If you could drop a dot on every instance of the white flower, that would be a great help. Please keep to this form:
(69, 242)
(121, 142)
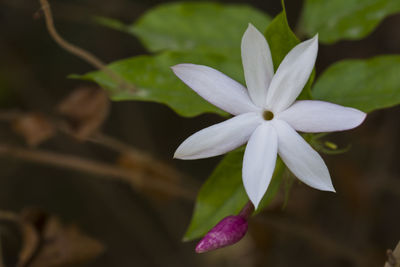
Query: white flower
(266, 115)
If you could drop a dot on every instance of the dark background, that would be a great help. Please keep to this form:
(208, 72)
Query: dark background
(353, 227)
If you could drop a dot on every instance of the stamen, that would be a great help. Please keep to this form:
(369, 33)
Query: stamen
(268, 115)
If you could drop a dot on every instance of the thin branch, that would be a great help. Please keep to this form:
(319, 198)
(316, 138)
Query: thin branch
(156, 166)
(86, 165)
(9, 115)
(79, 52)
(149, 164)
(112, 143)
(9, 216)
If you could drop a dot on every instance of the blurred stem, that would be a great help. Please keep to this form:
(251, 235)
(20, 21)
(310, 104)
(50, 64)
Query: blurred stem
(288, 186)
(148, 163)
(156, 166)
(247, 210)
(79, 52)
(9, 115)
(299, 29)
(86, 165)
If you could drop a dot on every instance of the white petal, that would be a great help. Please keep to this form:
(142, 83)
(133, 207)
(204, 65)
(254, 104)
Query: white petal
(292, 75)
(219, 138)
(216, 88)
(318, 116)
(259, 161)
(257, 64)
(302, 160)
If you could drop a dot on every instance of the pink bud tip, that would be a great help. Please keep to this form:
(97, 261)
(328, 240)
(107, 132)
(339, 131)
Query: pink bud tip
(227, 232)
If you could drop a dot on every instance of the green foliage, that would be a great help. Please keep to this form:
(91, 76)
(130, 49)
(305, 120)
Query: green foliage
(345, 19)
(152, 74)
(194, 27)
(281, 40)
(363, 84)
(199, 33)
(223, 194)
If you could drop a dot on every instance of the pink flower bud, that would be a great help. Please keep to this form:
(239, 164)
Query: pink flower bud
(227, 232)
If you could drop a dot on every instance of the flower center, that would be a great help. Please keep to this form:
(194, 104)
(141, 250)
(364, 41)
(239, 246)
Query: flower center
(268, 115)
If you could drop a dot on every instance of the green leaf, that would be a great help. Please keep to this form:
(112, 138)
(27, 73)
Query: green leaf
(281, 40)
(194, 26)
(345, 19)
(363, 84)
(199, 33)
(111, 23)
(152, 74)
(223, 194)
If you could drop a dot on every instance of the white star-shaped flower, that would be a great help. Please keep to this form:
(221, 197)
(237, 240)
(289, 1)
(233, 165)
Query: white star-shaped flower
(266, 115)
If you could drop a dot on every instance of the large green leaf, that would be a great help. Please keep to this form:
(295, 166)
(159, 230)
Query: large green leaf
(345, 19)
(223, 194)
(200, 33)
(281, 40)
(153, 75)
(194, 26)
(364, 84)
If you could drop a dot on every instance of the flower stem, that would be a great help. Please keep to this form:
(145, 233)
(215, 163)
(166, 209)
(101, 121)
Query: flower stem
(247, 210)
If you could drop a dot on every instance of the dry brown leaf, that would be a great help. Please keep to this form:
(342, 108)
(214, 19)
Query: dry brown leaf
(86, 109)
(393, 257)
(46, 242)
(30, 243)
(29, 235)
(64, 245)
(34, 127)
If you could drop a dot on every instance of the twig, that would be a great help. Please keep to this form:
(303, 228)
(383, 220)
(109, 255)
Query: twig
(86, 165)
(138, 157)
(9, 115)
(156, 166)
(112, 143)
(79, 52)
(9, 216)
